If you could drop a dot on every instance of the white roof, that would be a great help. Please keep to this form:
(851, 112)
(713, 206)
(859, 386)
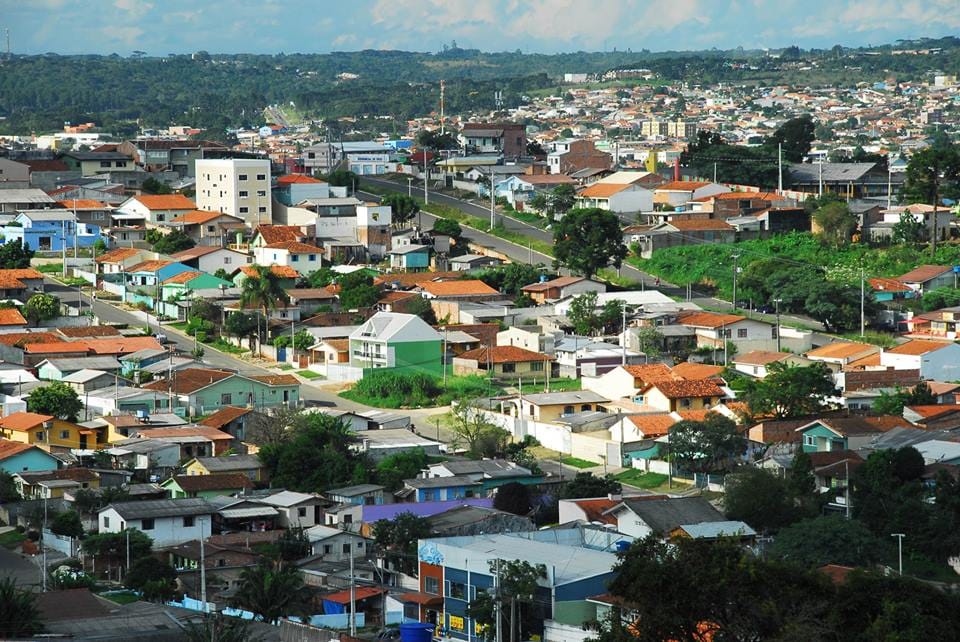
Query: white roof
(286, 498)
(936, 450)
(395, 326)
(82, 376)
(631, 298)
(623, 178)
(28, 195)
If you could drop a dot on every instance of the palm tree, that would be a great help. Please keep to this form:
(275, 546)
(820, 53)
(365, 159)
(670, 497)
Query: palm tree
(262, 291)
(221, 628)
(19, 616)
(272, 590)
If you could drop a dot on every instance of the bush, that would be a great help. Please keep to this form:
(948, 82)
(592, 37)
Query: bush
(387, 389)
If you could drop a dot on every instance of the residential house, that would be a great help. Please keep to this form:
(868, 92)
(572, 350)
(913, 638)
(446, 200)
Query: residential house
(467, 262)
(531, 338)
(206, 390)
(15, 200)
(550, 406)
(582, 356)
(20, 283)
(403, 342)
(410, 257)
(658, 515)
(155, 458)
(506, 139)
(207, 228)
(886, 290)
(168, 522)
(477, 520)
(504, 362)
(59, 369)
(849, 180)
(51, 230)
(206, 486)
(756, 363)
(714, 329)
(11, 319)
(303, 257)
(157, 209)
(49, 433)
(293, 189)
(626, 382)
(53, 484)
(670, 396)
(560, 288)
(925, 278)
(14, 175)
(491, 473)
(178, 291)
(265, 234)
(209, 259)
(287, 276)
(619, 198)
(118, 260)
(438, 489)
(177, 155)
(296, 510)
(839, 354)
(335, 545)
(936, 360)
(676, 194)
(92, 163)
(572, 156)
(683, 232)
(463, 290)
(248, 465)
(17, 457)
(194, 441)
(845, 433)
(236, 421)
(359, 495)
(88, 211)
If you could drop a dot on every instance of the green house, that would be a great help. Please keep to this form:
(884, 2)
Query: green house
(206, 486)
(204, 391)
(842, 433)
(185, 284)
(403, 342)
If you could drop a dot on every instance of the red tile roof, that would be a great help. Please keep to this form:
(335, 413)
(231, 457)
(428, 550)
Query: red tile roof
(650, 373)
(652, 425)
(83, 204)
(224, 416)
(121, 345)
(11, 316)
(881, 284)
(918, 347)
(166, 202)
(149, 266)
(282, 271)
(290, 179)
(688, 389)
(594, 509)
(190, 431)
(56, 347)
(277, 380)
(681, 186)
(924, 273)
(279, 233)
(20, 339)
(467, 287)
(189, 380)
(708, 319)
(295, 247)
(696, 371)
(410, 279)
(118, 255)
(23, 421)
(197, 216)
(10, 449)
(503, 354)
(701, 225)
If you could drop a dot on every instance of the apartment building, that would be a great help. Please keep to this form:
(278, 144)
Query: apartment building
(239, 187)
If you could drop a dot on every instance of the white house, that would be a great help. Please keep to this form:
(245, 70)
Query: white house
(168, 522)
(302, 257)
(679, 193)
(713, 329)
(936, 360)
(334, 544)
(640, 517)
(620, 198)
(157, 208)
(209, 259)
(297, 510)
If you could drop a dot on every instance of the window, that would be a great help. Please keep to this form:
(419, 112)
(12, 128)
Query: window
(727, 333)
(295, 258)
(64, 434)
(773, 332)
(327, 549)
(244, 194)
(346, 548)
(226, 398)
(221, 562)
(241, 177)
(188, 521)
(568, 410)
(536, 366)
(161, 217)
(261, 177)
(227, 260)
(41, 436)
(809, 440)
(105, 164)
(312, 257)
(262, 209)
(261, 192)
(359, 546)
(311, 155)
(210, 228)
(508, 367)
(585, 408)
(741, 333)
(348, 519)
(120, 164)
(302, 511)
(244, 210)
(431, 585)
(146, 524)
(457, 590)
(684, 403)
(106, 522)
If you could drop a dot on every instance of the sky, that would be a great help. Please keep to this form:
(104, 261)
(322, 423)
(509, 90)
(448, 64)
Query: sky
(159, 27)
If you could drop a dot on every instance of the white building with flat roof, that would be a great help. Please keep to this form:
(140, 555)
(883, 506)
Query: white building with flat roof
(236, 186)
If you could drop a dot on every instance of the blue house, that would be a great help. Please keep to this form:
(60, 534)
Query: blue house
(578, 564)
(439, 489)
(410, 257)
(16, 457)
(142, 279)
(50, 230)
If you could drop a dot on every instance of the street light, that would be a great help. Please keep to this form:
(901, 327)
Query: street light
(777, 302)
(899, 537)
(410, 186)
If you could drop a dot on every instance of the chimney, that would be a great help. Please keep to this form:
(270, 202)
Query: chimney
(676, 169)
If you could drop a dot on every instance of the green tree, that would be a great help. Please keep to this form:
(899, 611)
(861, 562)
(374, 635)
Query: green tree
(221, 628)
(583, 313)
(397, 538)
(449, 227)
(100, 246)
(357, 291)
(342, 178)
(650, 341)
(830, 539)
(293, 545)
(933, 173)
(586, 485)
(173, 242)
(433, 140)
(319, 278)
(790, 391)
(14, 256)
(836, 222)
(271, 590)
(562, 199)
(709, 446)
(421, 307)
(8, 488)
(403, 208)
(837, 306)
(41, 307)
(67, 524)
(586, 240)
(19, 615)
(471, 428)
(263, 291)
(222, 274)
(539, 202)
(892, 403)
(517, 583)
(316, 456)
(513, 498)
(908, 230)
(392, 470)
(153, 577)
(795, 136)
(152, 186)
(240, 325)
(759, 498)
(111, 548)
(57, 399)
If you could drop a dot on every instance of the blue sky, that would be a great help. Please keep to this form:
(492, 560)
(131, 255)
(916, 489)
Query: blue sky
(159, 27)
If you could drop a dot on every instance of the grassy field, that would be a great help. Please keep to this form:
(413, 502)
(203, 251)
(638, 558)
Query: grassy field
(406, 390)
(121, 597)
(50, 268)
(309, 374)
(556, 385)
(639, 479)
(12, 539)
(576, 462)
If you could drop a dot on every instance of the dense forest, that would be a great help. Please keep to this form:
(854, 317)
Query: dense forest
(39, 93)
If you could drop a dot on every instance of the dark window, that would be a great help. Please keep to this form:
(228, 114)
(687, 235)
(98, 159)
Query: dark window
(346, 548)
(302, 511)
(261, 177)
(431, 585)
(242, 177)
(146, 524)
(327, 549)
(104, 163)
(741, 333)
(508, 367)
(188, 521)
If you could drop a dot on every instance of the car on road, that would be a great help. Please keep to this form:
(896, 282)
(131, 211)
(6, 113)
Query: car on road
(161, 338)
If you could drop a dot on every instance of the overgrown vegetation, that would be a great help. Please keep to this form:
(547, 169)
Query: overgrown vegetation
(416, 390)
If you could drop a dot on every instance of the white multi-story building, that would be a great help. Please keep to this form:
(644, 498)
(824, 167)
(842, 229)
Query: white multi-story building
(236, 186)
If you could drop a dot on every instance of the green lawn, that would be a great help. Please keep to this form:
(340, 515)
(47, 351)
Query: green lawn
(121, 597)
(640, 479)
(407, 390)
(576, 462)
(12, 539)
(50, 268)
(556, 385)
(179, 325)
(284, 366)
(309, 374)
(223, 346)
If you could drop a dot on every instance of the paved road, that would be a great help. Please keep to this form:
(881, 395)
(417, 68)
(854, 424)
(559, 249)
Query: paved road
(23, 571)
(523, 254)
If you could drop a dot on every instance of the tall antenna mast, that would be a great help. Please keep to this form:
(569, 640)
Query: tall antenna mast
(441, 109)
(7, 33)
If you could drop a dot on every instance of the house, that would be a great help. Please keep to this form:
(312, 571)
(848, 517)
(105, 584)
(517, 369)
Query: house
(462, 290)
(296, 188)
(265, 234)
(849, 180)
(302, 257)
(207, 228)
(17, 457)
(209, 258)
(550, 406)
(920, 213)
(438, 489)
(845, 433)
(467, 262)
(309, 299)
(89, 211)
(676, 194)
(582, 356)
(14, 175)
(179, 156)
(296, 510)
(561, 288)
(287, 276)
(206, 390)
(684, 232)
(925, 278)
(52, 484)
(20, 283)
(489, 472)
(714, 329)
(386, 442)
(59, 369)
(503, 361)
(335, 545)
(86, 380)
(11, 319)
(619, 198)
(117, 261)
(477, 520)
(411, 257)
(670, 396)
(626, 382)
(571, 156)
(51, 230)
(756, 362)
(14, 200)
(838, 354)
(506, 139)
(194, 441)
(359, 495)
(233, 420)
(403, 342)
(660, 516)
(146, 456)
(936, 360)
(588, 511)
(206, 486)
(886, 290)
(157, 209)
(248, 465)
(168, 522)
(49, 433)
(715, 530)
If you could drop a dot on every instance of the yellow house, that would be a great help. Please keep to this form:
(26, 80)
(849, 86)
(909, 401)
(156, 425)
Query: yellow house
(549, 406)
(248, 465)
(671, 396)
(51, 484)
(48, 432)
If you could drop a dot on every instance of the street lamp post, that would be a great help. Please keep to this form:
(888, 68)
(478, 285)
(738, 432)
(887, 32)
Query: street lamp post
(410, 186)
(899, 537)
(777, 303)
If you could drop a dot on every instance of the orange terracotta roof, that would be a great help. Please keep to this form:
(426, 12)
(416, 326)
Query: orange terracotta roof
(118, 255)
(698, 225)
(934, 410)
(397, 295)
(149, 266)
(594, 509)
(689, 371)
(863, 363)
(681, 186)
(290, 179)
(918, 347)
(189, 380)
(652, 425)
(166, 202)
(11, 316)
(23, 421)
(708, 319)
(687, 389)
(279, 233)
(760, 357)
(295, 247)
(411, 279)
(224, 416)
(10, 449)
(89, 331)
(841, 350)
(468, 287)
(190, 431)
(21, 339)
(881, 284)
(83, 204)
(340, 345)
(183, 277)
(503, 354)
(559, 282)
(282, 271)
(121, 345)
(694, 415)
(277, 380)
(650, 373)
(603, 190)
(762, 196)
(56, 347)
(923, 273)
(22, 273)
(197, 216)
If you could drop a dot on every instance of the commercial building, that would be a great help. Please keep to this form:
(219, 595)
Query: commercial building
(239, 187)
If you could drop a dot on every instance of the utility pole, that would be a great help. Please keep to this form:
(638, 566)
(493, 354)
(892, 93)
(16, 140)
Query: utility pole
(493, 202)
(863, 318)
(127, 533)
(820, 179)
(623, 360)
(777, 303)
(426, 179)
(63, 245)
(889, 183)
(442, 128)
(496, 601)
(203, 570)
(353, 597)
(779, 168)
(846, 488)
(899, 537)
(43, 545)
(736, 257)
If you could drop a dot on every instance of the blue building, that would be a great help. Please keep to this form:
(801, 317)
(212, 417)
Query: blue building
(578, 564)
(50, 230)
(16, 457)
(440, 489)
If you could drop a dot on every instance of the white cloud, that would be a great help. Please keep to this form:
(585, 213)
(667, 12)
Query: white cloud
(134, 8)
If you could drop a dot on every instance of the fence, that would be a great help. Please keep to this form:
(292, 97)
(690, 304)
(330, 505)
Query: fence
(69, 546)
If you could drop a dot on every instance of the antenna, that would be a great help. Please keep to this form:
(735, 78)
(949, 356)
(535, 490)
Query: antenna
(498, 99)
(7, 34)
(441, 109)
